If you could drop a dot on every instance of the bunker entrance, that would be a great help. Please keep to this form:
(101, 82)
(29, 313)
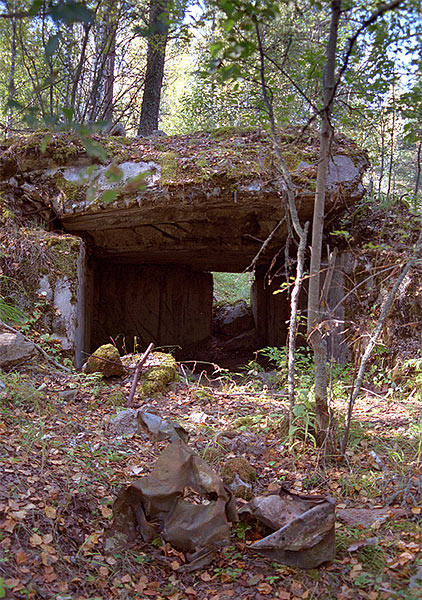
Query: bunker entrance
(216, 317)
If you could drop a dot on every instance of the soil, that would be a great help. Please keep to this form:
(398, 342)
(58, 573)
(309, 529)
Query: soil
(62, 468)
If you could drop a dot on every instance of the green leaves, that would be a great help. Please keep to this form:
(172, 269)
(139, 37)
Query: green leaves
(71, 12)
(52, 45)
(109, 196)
(33, 10)
(94, 149)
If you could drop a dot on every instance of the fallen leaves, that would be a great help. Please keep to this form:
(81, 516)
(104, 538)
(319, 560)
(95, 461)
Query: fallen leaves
(50, 512)
(21, 557)
(53, 514)
(35, 540)
(264, 588)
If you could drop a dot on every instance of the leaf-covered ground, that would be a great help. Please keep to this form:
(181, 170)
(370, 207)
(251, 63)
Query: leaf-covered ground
(61, 468)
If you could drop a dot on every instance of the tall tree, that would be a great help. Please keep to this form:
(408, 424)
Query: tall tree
(156, 54)
(315, 335)
(11, 8)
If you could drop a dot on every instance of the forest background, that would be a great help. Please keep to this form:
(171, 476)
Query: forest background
(179, 67)
(184, 66)
(72, 64)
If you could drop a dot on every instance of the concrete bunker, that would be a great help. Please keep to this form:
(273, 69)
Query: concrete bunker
(159, 215)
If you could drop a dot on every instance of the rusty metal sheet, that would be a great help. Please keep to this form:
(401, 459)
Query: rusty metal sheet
(304, 534)
(184, 497)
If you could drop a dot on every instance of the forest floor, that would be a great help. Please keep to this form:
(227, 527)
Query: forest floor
(61, 468)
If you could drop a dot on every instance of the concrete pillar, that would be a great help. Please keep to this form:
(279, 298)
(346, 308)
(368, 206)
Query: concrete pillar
(139, 304)
(270, 311)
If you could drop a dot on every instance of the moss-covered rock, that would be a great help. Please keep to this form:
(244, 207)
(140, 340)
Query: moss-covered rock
(239, 474)
(156, 377)
(214, 454)
(238, 466)
(105, 360)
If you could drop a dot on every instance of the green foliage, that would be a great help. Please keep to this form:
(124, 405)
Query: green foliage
(304, 366)
(231, 287)
(10, 313)
(19, 392)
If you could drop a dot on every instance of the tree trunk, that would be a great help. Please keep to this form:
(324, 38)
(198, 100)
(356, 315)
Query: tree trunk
(382, 165)
(109, 80)
(302, 232)
(12, 86)
(156, 53)
(103, 77)
(418, 175)
(392, 141)
(316, 337)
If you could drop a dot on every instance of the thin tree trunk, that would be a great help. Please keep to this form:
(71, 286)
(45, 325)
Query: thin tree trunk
(77, 77)
(102, 90)
(294, 303)
(392, 140)
(109, 81)
(316, 338)
(156, 53)
(418, 175)
(382, 165)
(302, 232)
(13, 52)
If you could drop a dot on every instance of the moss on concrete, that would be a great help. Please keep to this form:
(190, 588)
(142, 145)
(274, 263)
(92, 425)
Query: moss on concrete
(169, 169)
(156, 378)
(65, 254)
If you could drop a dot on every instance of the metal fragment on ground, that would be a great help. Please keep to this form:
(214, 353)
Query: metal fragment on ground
(187, 499)
(303, 528)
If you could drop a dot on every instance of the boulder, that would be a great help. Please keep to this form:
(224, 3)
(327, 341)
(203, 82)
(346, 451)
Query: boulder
(125, 423)
(14, 349)
(231, 320)
(160, 371)
(105, 360)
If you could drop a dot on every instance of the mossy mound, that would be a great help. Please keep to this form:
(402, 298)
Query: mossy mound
(105, 360)
(214, 454)
(238, 466)
(156, 377)
(239, 474)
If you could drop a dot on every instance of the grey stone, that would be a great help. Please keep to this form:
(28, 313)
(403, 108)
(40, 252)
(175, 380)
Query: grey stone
(14, 349)
(246, 340)
(416, 580)
(126, 422)
(97, 177)
(341, 169)
(233, 319)
(68, 395)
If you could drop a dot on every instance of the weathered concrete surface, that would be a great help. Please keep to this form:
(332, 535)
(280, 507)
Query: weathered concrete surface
(136, 305)
(207, 200)
(42, 279)
(155, 214)
(271, 311)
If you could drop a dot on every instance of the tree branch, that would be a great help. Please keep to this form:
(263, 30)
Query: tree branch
(374, 338)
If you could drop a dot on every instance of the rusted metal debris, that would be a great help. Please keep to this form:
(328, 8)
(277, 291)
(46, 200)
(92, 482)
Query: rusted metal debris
(303, 528)
(185, 501)
(188, 499)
